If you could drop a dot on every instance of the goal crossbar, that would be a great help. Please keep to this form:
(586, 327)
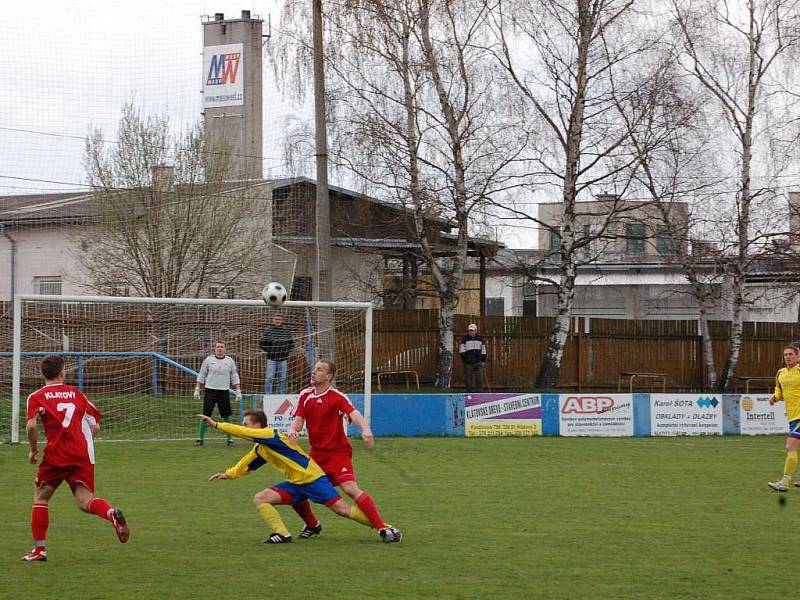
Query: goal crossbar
(17, 352)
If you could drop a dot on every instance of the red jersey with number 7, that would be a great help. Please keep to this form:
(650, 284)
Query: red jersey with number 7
(67, 417)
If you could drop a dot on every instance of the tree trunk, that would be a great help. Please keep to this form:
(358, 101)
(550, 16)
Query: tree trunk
(737, 327)
(708, 347)
(550, 369)
(444, 359)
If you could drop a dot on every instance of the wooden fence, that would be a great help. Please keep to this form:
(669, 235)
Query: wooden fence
(597, 350)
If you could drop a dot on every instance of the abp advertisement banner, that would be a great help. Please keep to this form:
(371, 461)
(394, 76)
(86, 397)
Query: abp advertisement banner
(685, 414)
(757, 417)
(223, 75)
(609, 415)
(502, 415)
(279, 409)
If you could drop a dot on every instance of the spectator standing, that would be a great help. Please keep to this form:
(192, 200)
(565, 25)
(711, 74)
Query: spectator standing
(473, 355)
(277, 342)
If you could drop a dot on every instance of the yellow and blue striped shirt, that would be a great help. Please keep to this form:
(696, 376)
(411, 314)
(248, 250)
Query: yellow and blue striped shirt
(274, 448)
(787, 388)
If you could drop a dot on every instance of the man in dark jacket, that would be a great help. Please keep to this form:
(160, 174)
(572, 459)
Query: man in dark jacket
(277, 343)
(473, 355)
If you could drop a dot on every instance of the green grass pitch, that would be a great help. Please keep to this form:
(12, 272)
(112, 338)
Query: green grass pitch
(482, 518)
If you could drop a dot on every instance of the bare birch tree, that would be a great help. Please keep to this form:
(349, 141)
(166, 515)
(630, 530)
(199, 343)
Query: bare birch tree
(416, 118)
(171, 231)
(740, 55)
(577, 50)
(673, 145)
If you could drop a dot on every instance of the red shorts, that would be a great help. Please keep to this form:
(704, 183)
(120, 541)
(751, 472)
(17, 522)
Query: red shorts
(51, 475)
(338, 466)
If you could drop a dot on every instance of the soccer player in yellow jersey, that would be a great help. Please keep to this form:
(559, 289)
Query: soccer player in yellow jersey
(787, 389)
(304, 478)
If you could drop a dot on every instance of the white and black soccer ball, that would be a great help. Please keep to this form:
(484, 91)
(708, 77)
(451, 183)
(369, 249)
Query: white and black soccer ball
(274, 294)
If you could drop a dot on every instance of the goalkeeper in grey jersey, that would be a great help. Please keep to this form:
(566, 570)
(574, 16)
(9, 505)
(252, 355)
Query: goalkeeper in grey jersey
(218, 374)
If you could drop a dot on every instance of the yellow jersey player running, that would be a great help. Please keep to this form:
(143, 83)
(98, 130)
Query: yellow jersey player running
(787, 389)
(304, 478)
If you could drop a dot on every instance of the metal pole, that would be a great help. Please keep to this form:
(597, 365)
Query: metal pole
(368, 366)
(16, 370)
(13, 274)
(322, 281)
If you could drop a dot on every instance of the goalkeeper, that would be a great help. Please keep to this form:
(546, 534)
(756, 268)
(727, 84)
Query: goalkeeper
(305, 479)
(218, 374)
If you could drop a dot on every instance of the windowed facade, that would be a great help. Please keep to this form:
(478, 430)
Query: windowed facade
(665, 243)
(529, 295)
(47, 286)
(120, 289)
(555, 239)
(222, 291)
(495, 307)
(634, 234)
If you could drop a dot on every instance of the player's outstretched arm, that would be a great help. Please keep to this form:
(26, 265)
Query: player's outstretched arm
(366, 432)
(209, 421)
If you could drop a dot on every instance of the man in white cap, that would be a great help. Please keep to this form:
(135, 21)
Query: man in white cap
(473, 355)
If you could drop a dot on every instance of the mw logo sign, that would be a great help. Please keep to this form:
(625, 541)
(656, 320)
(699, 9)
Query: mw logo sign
(587, 404)
(224, 68)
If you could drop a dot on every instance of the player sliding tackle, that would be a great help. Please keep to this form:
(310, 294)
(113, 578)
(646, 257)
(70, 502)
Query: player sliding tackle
(305, 480)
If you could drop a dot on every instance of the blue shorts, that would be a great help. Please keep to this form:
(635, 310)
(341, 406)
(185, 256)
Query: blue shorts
(320, 491)
(794, 429)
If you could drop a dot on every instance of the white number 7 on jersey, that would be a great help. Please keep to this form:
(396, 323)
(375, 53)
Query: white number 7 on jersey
(69, 409)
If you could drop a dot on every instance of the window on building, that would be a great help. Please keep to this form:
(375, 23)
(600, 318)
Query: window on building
(634, 232)
(665, 243)
(47, 286)
(120, 289)
(529, 297)
(495, 307)
(302, 289)
(555, 239)
(586, 250)
(529, 307)
(222, 291)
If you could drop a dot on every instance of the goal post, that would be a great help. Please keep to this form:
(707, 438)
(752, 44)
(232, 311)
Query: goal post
(137, 358)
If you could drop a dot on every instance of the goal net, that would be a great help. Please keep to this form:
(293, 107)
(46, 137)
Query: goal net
(137, 358)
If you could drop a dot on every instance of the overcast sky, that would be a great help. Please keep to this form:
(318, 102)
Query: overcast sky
(71, 66)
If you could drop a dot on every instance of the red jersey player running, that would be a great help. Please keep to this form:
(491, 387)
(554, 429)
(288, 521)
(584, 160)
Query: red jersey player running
(322, 408)
(69, 421)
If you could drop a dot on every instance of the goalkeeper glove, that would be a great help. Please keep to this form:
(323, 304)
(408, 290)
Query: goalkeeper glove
(197, 392)
(238, 395)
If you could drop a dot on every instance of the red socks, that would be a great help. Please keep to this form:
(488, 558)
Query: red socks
(40, 521)
(367, 506)
(99, 507)
(303, 508)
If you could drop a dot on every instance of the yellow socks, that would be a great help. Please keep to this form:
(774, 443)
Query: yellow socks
(357, 515)
(272, 518)
(790, 466)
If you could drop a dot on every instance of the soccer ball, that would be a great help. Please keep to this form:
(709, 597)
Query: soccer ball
(274, 294)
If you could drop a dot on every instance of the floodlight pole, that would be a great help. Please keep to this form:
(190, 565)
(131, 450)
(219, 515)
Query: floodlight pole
(322, 280)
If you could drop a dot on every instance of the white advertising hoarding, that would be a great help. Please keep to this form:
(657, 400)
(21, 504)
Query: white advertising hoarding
(279, 409)
(223, 75)
(757, 417)
(685, 414)
(608, 415)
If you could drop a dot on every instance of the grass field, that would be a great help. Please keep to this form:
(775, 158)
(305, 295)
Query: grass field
(502, 518)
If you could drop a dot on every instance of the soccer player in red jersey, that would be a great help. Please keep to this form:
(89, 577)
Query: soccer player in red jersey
(69, 421)
(321, 408)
